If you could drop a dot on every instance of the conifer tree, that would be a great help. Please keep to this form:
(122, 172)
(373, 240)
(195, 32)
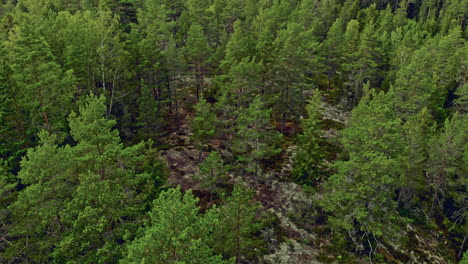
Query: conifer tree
(422, 82)
(41, 87)
(240, 46)
(416, 130)
(204, 123)
(360, 196)
(308, 162)
(290, 73)
(245, 82)
(78, 201)
(213, 172)
(333, 50)
(177, 233)
(238, 222)
(254, 137)
(197, 53)
(151, 118)
(47, 172)
(447, 168)
(111, 189)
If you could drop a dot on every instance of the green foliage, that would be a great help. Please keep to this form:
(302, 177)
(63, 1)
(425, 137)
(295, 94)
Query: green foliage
(414, 157)
(204, 122)
(296, 58)
(426, 79)
(41, 88)
(197, 53)
(177, 233)
(213, 172)
(308, 162)
(361, 194)
(464, 260)
(254, 138)
(447, 168)
(245, 82)
(80, 191)
(79, 200)
(234, 234)
(151, 120)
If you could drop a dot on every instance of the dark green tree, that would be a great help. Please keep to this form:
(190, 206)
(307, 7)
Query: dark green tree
(308, 162)
(177, 233)
(361, 195)
(197, 53)
(416, 131)
(213, 172)
(41, 87)
(111, 191)
(254, 137)
(204, 123)
(239, 221)
(447, 168)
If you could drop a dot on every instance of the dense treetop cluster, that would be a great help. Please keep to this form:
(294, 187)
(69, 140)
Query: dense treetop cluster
(90, 91)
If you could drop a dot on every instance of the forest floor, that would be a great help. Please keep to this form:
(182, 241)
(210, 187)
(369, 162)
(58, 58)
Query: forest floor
(284, 201)
(295, 234)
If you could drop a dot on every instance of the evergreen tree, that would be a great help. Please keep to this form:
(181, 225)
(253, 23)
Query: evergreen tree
(153, 35)
(254, 137)
(360, 195)
(245, 82)
(197, 54)
(78, 201)
(424, 82)
(213, 172)
(111, 191)
(41, 87)
(151, 118)
(240, 46)
(204, 123)
(177, 233)
(234, 232)
(47, 172)
(308, 162)
(416, 130)
(447, 168)
(291, 71)
(333, 49)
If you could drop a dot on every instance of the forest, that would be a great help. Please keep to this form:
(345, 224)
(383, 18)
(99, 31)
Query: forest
(233, 131)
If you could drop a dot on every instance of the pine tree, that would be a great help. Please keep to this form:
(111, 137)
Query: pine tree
(447, 168)
(197, 53)
(153, 35)
(204, 123)
(47, 172)
(234, 233)
(427, 78)
(308, 162)
(333, 51)
(41, 87)
(360, 196)
(416, 130)
(291, 72)
(245, 82)
(177, 233)
(240, 46)
(254, 137)
(213, 172)
(78, 201)
(151, 119)
(111, 191)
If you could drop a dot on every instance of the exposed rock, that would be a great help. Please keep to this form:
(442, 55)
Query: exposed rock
(335, 113)
(292, 252)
